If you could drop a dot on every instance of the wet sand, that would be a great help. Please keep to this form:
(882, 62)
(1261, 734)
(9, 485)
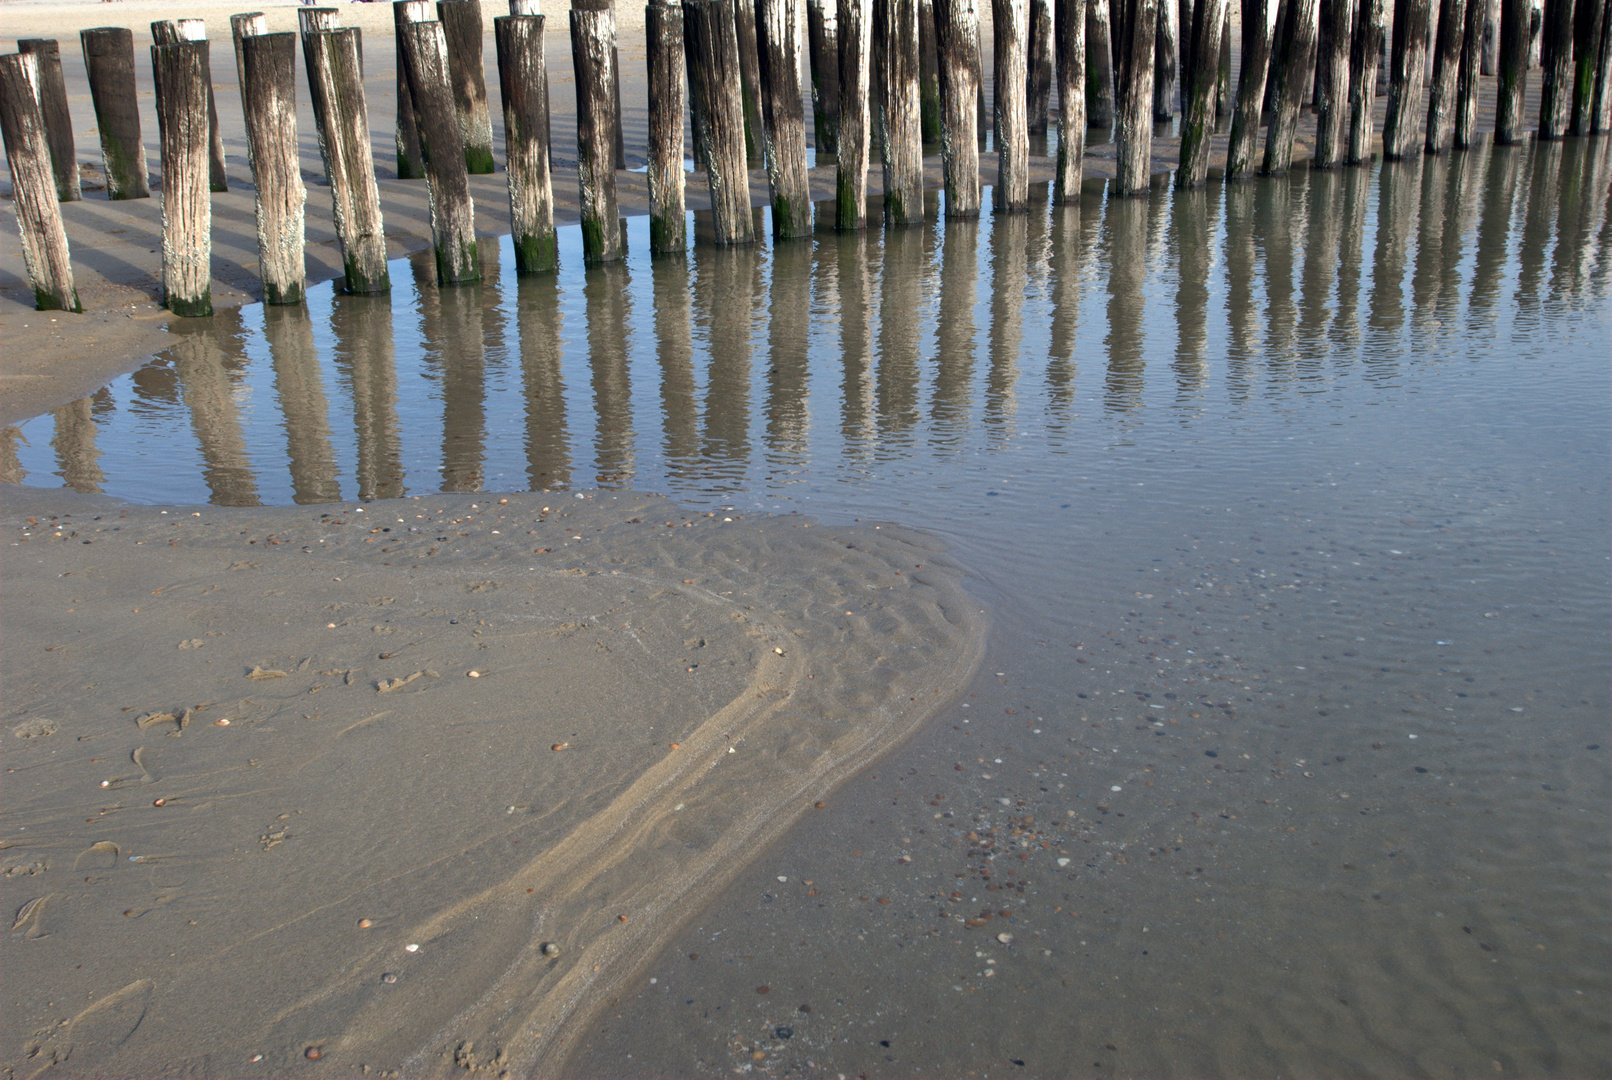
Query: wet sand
(281, 782)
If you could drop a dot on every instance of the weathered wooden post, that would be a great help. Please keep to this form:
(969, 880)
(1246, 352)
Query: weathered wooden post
(109, 60)
(1184, 53)
(823, 46)
(1512, 81)
(1589, 20)
(928, 73)
(461, 25)
(1135, 24)
(1259, 23)
(187, 209)
(785, 120)
(406, 130)
(336, 91)
(453, 213)
(245, 24)
(196, 30)
(1556, 69)
(1070, 28)
(1166, 61)
(33, 185)
(1332, 83)
(53, 108)
(1601, 107)
(1466, 84)
(1364, 52)
(1038, 48)
(663, 45)
(1490, 41)
(744, 34)
(957, 50)
(1401, 123)
(592, 43)
(1202, 77)
(903, 125)
(1223, 88)
(854, 19)
(1010, 29)
(523, 80)
(1291, 69)
(534, 7)
(269, 100)
(713, 65)
(1441, 99)
(1099, 65)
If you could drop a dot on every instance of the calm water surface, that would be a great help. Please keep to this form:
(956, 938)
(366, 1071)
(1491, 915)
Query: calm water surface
(1290, 502)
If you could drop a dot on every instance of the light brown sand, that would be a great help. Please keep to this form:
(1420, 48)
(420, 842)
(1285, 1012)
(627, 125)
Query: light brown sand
(707, 681)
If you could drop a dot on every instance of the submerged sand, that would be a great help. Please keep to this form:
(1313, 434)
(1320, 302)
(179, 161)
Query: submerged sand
(262, 815)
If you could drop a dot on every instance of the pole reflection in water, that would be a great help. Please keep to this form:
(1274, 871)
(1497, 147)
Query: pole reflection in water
(548, 442)
(362, 354)
(202, 361)
(1238, 290)
(301, 395)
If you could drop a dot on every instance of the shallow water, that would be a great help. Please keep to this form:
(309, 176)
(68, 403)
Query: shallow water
(1288, 499)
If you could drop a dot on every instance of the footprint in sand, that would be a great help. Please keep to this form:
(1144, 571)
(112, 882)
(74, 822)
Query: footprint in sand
(96, 1033)
(102, 855)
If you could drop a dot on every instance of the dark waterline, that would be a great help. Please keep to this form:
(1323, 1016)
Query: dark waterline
(1289, 498)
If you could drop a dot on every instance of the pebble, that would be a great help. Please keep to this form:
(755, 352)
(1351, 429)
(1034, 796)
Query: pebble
(474, 674)
(389, 978)
(255, 1057)
(364, 924)
(1006, 939)
(411, 947)
(550, 949)
(313, 1053)
(1063, 862)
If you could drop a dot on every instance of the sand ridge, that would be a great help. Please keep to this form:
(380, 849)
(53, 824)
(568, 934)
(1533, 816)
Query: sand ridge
(778, 654)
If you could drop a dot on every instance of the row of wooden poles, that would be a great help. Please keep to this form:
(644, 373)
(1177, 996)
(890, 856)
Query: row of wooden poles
(868, 79)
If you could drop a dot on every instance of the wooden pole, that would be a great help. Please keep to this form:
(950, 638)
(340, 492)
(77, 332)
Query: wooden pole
(903, 125)
(109, 61)
(822, 45)
(181, 76)
(58, 120)
(1258, 26)
(453, 214)
(461, 26)
(663, 44)
(712, 42)
(1099, 65)
(524, 85)
(1332, 82)
(928, 73)
(1556, 69)
(853, 18)
(533, 7)
(1364, 52)
(1223, 87)
(33, 185)
(1291, 69)
(1038, 48)
(1202, 77)
(1588, 21)
(1401, 129)
(1490, 40)
(1135, 23)
(1466, 83)
(957, 54)
(784, 117)
(1441, 100)
(1512, 67)
(246, 24)
(1184, 25)
(592, 42)
(196, 30)
(1010, 29)
(410, 158)
(744, 30)
(1070, 28)
(269, 103)
(1166, 61)
(1601, 107)
(336, 91)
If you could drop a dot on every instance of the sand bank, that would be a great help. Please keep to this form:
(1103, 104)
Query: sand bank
(258, 804)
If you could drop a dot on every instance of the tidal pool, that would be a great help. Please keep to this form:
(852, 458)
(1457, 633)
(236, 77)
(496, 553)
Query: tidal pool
(1288, 500)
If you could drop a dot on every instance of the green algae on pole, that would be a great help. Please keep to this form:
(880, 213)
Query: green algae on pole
(1589, 21)
(957, 50)
(1201, 79)
(58, 120)
(593, 35)
(336, 91)
(1259, 22)
(461, 26)
(109, 62)
(33, 186)
(1069, 23)
(269, 99)
(784, 114)
(523, 82)
(663, 47)
(854, 19)
(406, 130)
(181, 77)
